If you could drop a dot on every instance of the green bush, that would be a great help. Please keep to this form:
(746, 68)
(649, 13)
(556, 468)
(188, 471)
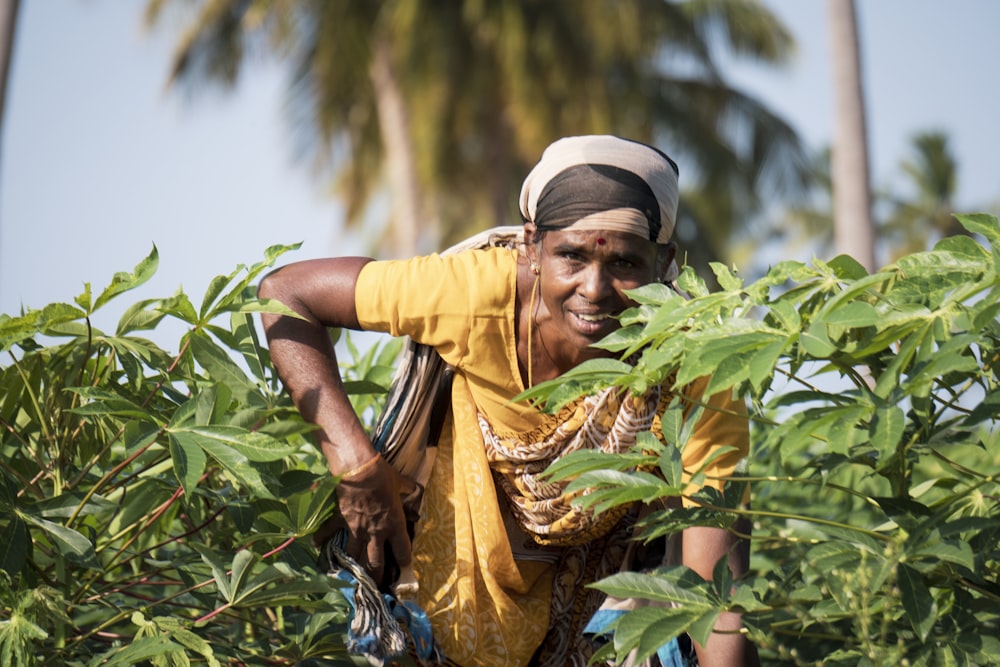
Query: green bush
(155, 507)
(875, 456)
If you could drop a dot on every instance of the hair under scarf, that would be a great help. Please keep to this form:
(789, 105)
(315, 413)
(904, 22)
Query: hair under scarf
(602, 182)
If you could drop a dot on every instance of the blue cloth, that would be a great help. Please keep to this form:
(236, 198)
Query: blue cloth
(669, 654)
(380, 627)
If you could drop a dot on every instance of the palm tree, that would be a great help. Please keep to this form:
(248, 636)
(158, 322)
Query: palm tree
(455, 99)
(915, 223)
(810, 219)
(852, 210)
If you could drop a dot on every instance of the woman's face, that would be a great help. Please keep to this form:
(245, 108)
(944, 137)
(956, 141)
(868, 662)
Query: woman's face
(583, 276)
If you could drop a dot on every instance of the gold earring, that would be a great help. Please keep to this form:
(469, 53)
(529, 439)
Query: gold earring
(535, 268)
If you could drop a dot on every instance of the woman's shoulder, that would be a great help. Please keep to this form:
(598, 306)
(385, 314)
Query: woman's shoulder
(487, 273)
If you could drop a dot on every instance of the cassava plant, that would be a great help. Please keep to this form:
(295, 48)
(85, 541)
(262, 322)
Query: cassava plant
(874, 405)
(155, 506)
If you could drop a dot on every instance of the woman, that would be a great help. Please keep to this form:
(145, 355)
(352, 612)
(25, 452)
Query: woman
(501, 558)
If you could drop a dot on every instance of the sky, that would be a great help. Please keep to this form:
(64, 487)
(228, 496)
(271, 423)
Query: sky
(100, 160)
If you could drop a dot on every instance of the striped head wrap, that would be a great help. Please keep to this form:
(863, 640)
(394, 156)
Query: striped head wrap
(602, 182)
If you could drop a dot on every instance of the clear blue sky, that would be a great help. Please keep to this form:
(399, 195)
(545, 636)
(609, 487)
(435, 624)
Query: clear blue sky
(100, 161)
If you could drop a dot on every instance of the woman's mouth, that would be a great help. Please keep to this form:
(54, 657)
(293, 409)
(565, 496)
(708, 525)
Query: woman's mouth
(594, 323)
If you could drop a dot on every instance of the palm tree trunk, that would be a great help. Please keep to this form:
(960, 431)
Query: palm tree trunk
(8, 22)
(407, 212)
(853, 229)
(500, 141)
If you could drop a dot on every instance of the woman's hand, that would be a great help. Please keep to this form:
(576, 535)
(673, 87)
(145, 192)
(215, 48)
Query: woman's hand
(370, 507)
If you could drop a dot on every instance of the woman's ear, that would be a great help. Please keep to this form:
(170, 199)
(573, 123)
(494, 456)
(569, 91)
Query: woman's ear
(666, 253)
(531, 238)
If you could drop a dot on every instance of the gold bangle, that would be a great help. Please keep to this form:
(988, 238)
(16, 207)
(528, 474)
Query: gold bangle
(361, 468)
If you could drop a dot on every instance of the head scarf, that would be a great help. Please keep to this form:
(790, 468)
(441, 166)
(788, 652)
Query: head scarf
(602, 182)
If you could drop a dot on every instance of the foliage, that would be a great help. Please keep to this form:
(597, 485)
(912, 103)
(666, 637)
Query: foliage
(483, 87)
(155, 507)
(874, 404)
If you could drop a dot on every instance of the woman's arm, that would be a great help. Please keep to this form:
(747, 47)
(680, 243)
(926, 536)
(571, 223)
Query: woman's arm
(702, 548)
(323, 291)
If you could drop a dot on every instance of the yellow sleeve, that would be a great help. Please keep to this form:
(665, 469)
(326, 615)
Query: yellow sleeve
(724, 423)
(439, 301)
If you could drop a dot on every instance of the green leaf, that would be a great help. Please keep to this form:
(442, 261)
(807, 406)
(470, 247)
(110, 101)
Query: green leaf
(179, 306)
(123, 282)
(232, 461)
(245, 335)
(950, 551)
(144, 496)
(139, 317)
(672, 465)
(646, 629)
(702, 627)
(244, 588)
(15, 546)
(67, 541)
(745, 599)
(105, 402)
(888, 425)
(728, 280)
(722, 578)
(311, 515)
(675, 584)
(949, 269)
(965, 245)
(689, 281)
(360, 387)
(585, 460)
(653, 294)
(269, 306)
(847, 268)
(763, 362)
(981, 223)
(13, 330)
(604, 489)
(218, 571)
(816, 343)
(591, 375)
(85, 299)
(829, 557)
(291, 593)
(255, 446)
(220, 366)
(189, 461)
(137, 652)
(243, 564)
(856, 314)
(174, 628)
(212, 292)
(920, 607)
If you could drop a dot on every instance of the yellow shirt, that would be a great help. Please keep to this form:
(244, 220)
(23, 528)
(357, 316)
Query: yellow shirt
(486, 608)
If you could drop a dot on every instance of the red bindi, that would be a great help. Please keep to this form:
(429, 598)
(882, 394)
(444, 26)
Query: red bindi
(600, 240)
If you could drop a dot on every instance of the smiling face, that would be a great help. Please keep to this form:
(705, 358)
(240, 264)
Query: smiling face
(583, 276)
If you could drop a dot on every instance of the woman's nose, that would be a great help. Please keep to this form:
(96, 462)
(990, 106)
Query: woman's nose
(595, 283)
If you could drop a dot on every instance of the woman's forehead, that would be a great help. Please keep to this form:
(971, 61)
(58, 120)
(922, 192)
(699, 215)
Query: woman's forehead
(606, 240)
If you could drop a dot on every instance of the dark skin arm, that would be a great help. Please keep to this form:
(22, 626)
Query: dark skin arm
(322, 292)
(702, 548)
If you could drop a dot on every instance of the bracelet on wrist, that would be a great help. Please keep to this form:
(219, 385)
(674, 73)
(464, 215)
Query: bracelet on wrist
(370, 463)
